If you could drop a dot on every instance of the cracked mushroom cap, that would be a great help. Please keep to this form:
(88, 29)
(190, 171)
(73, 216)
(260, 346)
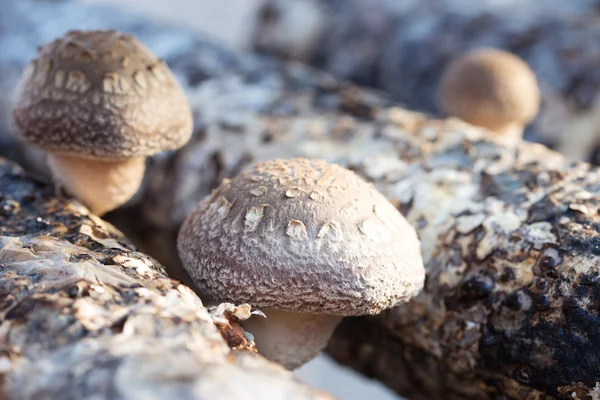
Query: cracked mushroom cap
(100, 94)
(302, 235)
(490, 88)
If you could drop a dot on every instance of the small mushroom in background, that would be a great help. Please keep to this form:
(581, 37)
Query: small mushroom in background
(98, 103)
(306, 241)
(493, 89)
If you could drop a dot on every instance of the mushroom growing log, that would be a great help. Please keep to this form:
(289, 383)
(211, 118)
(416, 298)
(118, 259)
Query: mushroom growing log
(83, 315)
(403, 48)
(510, 234)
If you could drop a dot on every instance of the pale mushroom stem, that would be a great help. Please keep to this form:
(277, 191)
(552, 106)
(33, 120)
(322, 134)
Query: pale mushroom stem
(100, 185)
(291, 338)
(509, 134)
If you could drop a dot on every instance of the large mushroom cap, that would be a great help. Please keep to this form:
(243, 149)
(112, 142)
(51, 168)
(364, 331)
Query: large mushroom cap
(301, 235)
(101, 94)
(490, 88)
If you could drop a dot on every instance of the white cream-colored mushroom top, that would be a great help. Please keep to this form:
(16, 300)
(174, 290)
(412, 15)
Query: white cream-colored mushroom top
(302, 235)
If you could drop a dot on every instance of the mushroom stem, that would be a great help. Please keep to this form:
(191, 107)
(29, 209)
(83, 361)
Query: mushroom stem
(509, 134)
(291, 338)
(101, 186)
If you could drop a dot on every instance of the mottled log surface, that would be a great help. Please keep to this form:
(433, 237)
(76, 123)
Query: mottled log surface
(83, 315)
(510, 234)
(403, 47)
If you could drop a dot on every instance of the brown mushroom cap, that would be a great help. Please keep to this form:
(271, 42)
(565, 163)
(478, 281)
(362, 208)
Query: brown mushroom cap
(490, 88)
(101, 94)
(302, 235)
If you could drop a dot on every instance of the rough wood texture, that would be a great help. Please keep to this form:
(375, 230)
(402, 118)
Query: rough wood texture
(83, 315)
(402, 48)
(510, 235)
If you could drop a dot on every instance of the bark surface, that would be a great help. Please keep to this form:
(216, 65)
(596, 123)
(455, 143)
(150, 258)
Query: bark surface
(510, 234)
(83, 315)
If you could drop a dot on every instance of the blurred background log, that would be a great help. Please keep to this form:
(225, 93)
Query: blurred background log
(83, 315)
(403, 48)
(510, 235)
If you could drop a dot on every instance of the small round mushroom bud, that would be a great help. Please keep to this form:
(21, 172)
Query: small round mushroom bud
(493, 89)
(307, 242)
(99, 102)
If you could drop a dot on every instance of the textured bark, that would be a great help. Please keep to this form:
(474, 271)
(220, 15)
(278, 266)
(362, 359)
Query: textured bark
(509, 237)
(509, 234)
(403, 47)
(83, 315)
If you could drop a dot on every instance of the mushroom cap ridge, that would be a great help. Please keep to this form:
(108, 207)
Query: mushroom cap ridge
(302, 235)
(100, 94)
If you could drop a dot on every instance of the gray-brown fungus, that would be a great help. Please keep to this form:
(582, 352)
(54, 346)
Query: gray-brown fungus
(307, 241)
(491, 88)
(99, 102)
